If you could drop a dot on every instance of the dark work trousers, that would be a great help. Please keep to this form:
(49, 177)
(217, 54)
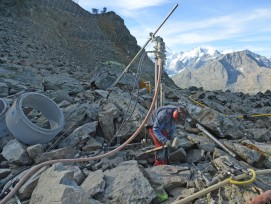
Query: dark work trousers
(161, 156)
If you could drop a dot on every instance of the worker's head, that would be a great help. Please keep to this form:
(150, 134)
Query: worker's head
(180, 114)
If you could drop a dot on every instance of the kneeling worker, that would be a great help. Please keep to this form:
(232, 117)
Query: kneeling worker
(162, 125)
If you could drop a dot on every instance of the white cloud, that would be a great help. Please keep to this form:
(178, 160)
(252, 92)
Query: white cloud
(233, 26)
(122, 7)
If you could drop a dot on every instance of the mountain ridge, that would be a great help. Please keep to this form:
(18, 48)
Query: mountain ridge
(237, 71)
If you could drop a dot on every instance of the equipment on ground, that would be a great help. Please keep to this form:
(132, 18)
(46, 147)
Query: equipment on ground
(215, 140)
(202, 174)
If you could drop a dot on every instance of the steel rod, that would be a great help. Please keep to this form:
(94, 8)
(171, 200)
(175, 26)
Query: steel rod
(139, 52)
(215, 140)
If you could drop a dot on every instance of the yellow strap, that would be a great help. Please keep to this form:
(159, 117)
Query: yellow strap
(244, 182)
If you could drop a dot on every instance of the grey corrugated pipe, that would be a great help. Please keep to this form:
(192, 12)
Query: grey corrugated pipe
(217, 186)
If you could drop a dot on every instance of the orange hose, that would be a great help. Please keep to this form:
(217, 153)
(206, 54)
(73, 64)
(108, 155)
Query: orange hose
(37, 167)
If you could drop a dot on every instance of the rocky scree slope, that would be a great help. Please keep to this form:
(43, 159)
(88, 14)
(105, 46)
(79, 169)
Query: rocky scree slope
(51, 37)
(94, 117)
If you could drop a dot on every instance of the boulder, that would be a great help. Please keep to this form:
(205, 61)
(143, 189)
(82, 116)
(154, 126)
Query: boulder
(56, 185)
(127, 184)
(79, 135)
(94, 183)
(15, 152)
(28, 187)
(169, 176)
(78, 176)
(35, 150)
(63, 153)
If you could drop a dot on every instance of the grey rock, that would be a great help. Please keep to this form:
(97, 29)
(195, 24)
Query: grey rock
(103, 80)
(56, 185)
(194, 155)
(79, 135)
(106, 120)
(93, 110)
(107, 125)
(3, 89)
(62, 153)
(169, 176)
(126, 184)
(59, 95)
(251, 156)
(4, 173)
(102, 93)
(178, 155)
(28, 187)
(62, 81)
(15, 152)
(92, 145)
(121, 99)
(78, 176)
(267, 161)
(74, 116)
(260, 134)
(219, 123)
(35, 150)
(94, 183)
(203, 142)
(182, 192)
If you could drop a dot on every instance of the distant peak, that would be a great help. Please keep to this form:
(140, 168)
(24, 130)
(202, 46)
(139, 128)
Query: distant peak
(199, 52)
(224, 52)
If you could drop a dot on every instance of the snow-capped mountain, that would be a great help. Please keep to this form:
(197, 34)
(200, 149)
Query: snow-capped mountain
(198, 57)
(195, 58)
(243, 71)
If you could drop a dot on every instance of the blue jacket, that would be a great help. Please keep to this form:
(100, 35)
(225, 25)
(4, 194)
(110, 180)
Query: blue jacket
(161, 119)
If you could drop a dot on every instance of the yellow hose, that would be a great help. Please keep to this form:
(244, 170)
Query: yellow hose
(244, 182)
(196, 102)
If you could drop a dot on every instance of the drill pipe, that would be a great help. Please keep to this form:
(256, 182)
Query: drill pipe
(215, 140)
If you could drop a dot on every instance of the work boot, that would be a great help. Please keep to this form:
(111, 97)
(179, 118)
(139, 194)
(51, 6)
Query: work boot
(177, 156)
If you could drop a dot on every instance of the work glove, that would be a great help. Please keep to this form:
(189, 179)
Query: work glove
(168, 143)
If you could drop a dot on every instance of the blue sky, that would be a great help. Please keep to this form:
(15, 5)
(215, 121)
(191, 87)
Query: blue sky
(219, 24)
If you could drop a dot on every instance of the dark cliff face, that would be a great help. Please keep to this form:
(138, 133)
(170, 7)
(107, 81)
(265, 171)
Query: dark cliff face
(59, 36)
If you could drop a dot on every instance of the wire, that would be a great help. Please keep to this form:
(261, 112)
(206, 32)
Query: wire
(140, 65)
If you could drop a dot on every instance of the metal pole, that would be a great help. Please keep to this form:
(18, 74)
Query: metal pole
(160, 63)
(139, 52)
(215, 140)
(156, 68)
(161, 60)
